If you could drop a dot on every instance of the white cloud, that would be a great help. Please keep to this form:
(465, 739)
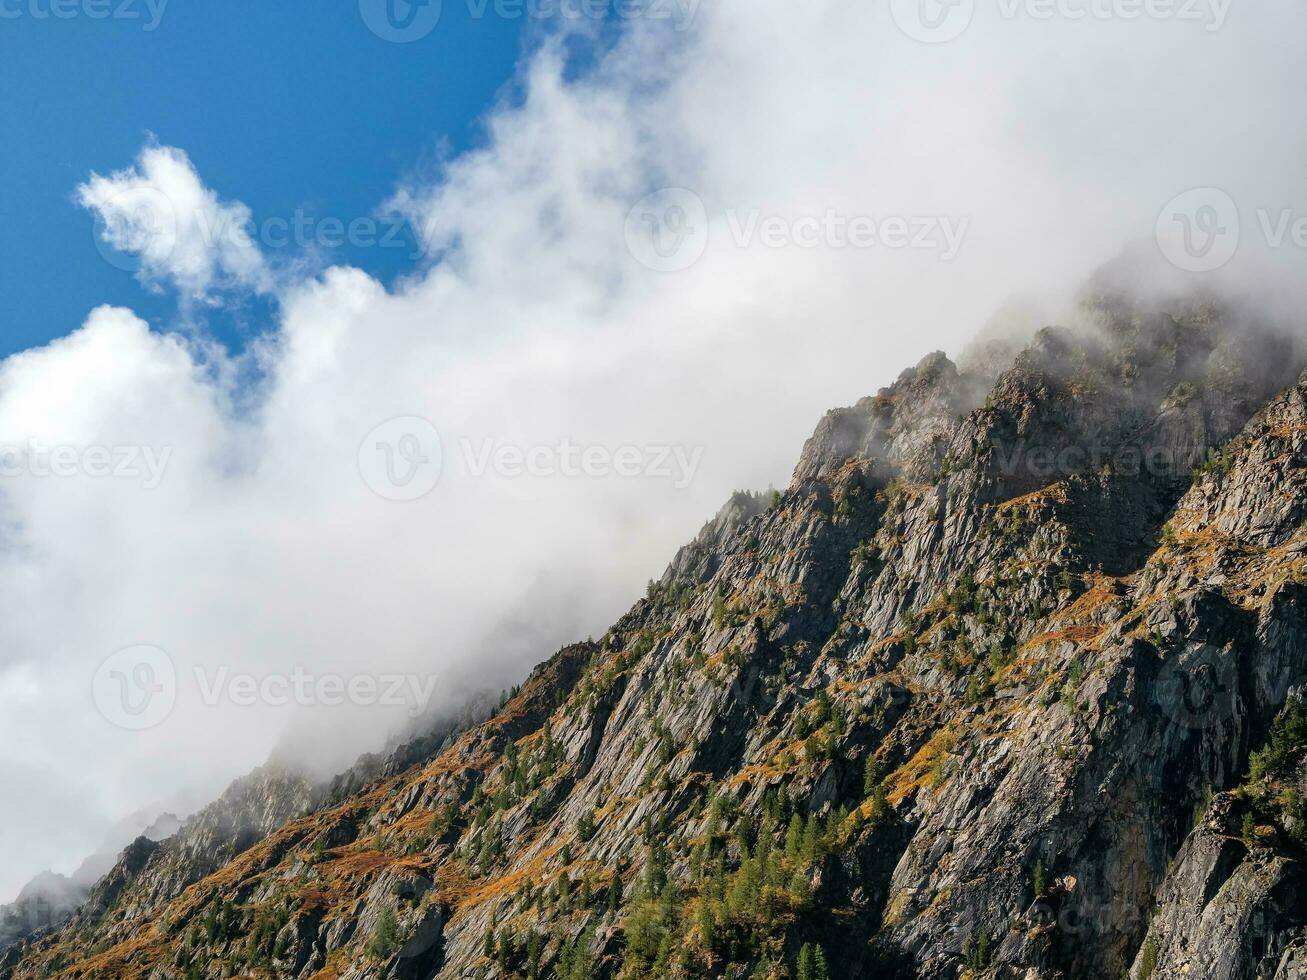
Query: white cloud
(178, 230)
(264, 549)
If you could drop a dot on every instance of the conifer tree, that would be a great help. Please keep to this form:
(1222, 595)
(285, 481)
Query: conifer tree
(794, 838)
(385, 939)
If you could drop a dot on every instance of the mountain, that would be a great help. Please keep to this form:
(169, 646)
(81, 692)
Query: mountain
(47, 900)
(1008, 682)
(99, 864)
(50, 899)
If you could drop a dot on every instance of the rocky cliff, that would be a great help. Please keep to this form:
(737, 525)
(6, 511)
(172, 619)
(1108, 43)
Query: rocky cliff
(1006, 683)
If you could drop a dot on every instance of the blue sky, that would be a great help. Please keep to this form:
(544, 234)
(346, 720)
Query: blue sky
(293, 107)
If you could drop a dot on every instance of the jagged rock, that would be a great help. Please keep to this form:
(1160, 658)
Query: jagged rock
(1226, 910)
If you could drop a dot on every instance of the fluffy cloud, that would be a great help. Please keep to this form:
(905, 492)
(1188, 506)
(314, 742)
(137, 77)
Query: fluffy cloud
(270, 545)
(181, 233)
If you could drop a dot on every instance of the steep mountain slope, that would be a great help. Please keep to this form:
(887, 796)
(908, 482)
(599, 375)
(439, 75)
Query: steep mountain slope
(108, 897)
(50, 900)
(985, 691)
(46, 901)
(114, 902)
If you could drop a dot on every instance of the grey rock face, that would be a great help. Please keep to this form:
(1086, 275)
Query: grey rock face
(1226, 910)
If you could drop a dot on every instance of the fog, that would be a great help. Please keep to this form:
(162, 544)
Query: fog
(601, 376)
